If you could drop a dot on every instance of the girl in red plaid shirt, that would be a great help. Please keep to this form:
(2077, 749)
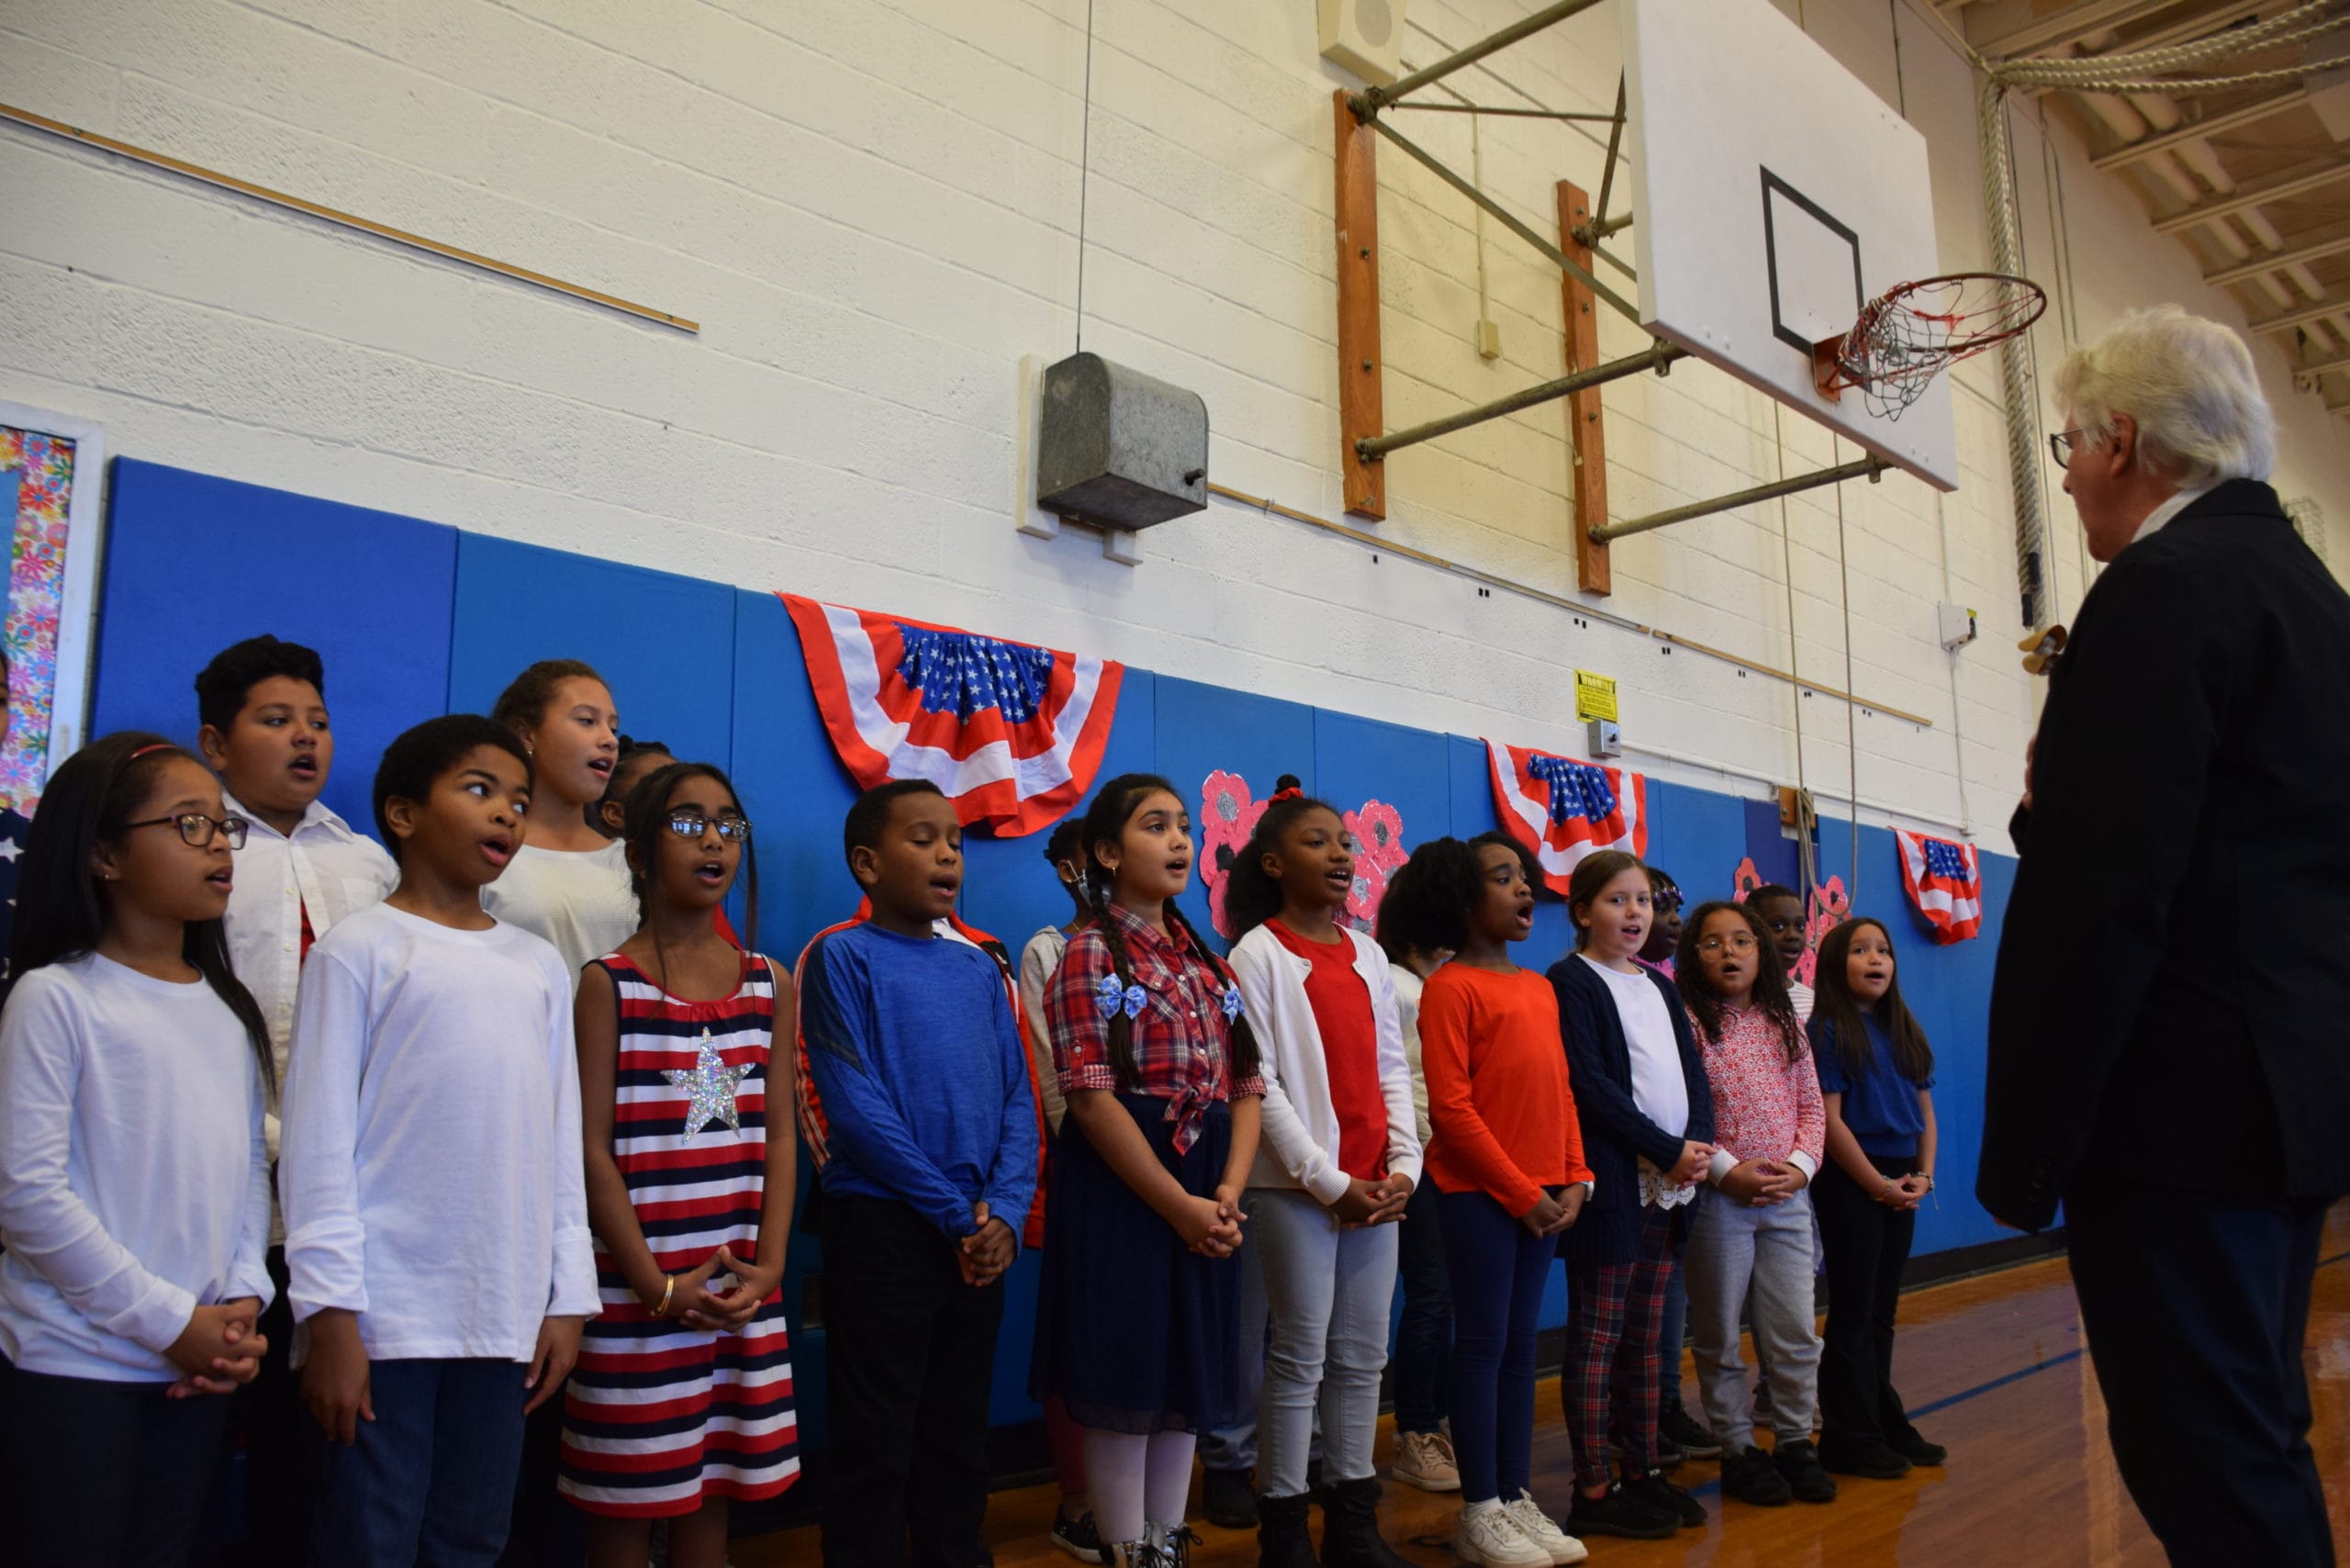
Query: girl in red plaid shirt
(1138, 1308)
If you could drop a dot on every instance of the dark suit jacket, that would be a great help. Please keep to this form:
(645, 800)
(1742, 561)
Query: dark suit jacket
(1616, 1137)
(2173, 998)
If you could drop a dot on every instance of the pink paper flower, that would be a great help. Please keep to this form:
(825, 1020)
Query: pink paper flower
(1377, 830)
(1228, 813)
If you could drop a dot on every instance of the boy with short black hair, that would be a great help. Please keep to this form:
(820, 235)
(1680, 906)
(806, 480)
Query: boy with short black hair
(435, 1203)
(262, 707)
(922, 1117)
(300, 872)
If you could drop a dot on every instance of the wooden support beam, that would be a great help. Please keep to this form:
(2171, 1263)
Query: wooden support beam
(1586, 431)
(1362, 413)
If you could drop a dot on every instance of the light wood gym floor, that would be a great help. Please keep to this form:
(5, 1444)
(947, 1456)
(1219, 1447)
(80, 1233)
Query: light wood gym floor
(1992, 1367)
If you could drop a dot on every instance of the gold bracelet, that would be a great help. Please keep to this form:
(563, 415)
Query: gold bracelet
(668, 1288)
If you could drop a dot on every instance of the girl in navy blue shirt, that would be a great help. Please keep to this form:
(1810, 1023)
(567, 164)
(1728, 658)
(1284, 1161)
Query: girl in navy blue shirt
(1877, 1079)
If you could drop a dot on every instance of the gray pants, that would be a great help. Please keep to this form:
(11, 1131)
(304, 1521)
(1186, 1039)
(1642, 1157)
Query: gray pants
(1329, 1290)
(1731, 1246)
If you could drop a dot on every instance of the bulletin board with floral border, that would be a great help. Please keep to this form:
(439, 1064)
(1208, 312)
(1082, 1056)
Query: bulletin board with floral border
(54, 465)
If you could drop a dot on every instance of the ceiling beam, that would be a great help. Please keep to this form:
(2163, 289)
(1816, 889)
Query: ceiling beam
(2324, 173)
(2276, 261)
(2302, 316)
(2305, 375)
(2236, 119)
(2011, 28)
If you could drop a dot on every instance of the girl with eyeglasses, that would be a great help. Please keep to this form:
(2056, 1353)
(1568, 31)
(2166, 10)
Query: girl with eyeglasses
(134, 1179)
(1754, 1222)
(682, 1404)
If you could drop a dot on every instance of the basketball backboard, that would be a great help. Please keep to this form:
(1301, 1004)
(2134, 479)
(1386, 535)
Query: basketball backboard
(1774, 194)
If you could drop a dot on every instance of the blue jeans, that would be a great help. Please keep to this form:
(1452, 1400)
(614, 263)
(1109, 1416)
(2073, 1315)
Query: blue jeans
(430, 1480)
(1424, 1336)
(1498, 1269)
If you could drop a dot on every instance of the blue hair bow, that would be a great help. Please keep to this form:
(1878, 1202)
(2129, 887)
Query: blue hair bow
(1233, 1007)
(1110, 997)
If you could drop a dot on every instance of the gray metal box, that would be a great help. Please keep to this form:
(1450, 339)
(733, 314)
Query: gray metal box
(1119, 449)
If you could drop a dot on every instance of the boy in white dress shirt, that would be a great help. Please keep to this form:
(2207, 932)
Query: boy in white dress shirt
(262, 706)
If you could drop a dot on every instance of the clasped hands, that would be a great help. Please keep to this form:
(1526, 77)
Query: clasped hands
(693, 1304)
(219, 1350)
(987, 1252)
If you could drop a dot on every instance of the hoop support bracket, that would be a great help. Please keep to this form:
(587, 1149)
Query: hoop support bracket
(1869, 468)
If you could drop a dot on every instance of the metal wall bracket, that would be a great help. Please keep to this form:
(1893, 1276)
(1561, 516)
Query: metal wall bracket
(1869, 468)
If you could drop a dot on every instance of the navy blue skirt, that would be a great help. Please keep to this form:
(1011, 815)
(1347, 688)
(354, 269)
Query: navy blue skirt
(1134, 1331)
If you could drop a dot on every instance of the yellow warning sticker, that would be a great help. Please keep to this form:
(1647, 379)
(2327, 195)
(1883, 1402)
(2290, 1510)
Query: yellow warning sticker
(1595, 695)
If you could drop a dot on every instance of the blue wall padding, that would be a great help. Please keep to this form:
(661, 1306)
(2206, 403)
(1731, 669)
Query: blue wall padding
(194, 563)
(1357, 760)
(663, 644)
(1771, 847)
(1697, 835)
(414, 619)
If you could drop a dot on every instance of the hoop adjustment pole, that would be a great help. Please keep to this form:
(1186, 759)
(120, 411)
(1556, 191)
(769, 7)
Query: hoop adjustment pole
(1869, 468)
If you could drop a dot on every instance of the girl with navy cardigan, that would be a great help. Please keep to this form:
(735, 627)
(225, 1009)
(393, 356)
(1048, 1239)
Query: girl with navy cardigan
(1648, 1123)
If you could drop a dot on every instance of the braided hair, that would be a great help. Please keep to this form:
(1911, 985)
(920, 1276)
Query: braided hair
(1105, 825)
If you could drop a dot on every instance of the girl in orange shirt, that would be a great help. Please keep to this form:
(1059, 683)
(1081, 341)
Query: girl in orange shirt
(1506, 1155)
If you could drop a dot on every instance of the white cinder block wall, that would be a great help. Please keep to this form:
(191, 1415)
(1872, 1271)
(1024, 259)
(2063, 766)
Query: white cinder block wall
(872, 208)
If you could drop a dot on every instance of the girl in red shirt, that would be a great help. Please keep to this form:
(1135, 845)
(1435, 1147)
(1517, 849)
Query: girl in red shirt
(1339, 1158)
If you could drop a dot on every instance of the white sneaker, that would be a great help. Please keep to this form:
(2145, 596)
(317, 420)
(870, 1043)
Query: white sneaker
(1488, 1535)
(1543, 1531)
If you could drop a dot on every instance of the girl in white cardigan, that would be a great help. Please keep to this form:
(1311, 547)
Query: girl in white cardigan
(1338, 1157)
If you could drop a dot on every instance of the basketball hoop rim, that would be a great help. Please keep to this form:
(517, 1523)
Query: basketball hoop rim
(1834, 376)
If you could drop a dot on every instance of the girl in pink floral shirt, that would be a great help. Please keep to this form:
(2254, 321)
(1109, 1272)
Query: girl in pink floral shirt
(1753, 1224)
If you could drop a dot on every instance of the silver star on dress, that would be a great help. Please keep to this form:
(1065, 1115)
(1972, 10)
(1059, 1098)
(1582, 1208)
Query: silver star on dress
(709, 1087)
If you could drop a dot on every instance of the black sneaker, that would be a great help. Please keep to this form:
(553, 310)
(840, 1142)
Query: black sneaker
(1751, 1477)
(1798, 1462)
(1078, 1537)
(1875, 1462)
(1666, 1498)
(1618, 1513)
(1228, 1499)
(1690, 1436)
(1912, 1446)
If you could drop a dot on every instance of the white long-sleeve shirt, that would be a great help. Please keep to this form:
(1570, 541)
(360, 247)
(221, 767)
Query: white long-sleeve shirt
(1038, 962)
(432, 1167)
(134, 1186)
(324, 867)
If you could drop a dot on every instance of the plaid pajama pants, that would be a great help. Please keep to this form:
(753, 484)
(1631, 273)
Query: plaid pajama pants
(1615, 1316)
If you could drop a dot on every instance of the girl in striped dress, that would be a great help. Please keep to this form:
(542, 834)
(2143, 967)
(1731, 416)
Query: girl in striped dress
(682, 1399)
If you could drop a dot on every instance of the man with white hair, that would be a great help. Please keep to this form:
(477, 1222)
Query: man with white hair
(2170, 1024)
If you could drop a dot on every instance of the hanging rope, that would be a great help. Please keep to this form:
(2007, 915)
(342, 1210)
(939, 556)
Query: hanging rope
(2144, 70)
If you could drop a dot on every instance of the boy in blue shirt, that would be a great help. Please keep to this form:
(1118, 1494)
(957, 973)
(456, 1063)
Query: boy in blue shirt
(924, 1123)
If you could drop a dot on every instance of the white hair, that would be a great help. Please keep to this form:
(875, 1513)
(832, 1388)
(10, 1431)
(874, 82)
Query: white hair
(2188, 383)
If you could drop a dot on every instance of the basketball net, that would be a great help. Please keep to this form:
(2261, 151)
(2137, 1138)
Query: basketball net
(1914, 332)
